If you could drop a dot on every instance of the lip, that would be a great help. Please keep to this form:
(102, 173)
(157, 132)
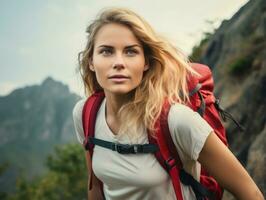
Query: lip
(118, 76)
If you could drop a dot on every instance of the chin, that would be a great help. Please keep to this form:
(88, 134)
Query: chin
(120, 91)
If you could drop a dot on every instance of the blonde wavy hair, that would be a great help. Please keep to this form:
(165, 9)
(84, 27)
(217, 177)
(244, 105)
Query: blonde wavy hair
(164, 80)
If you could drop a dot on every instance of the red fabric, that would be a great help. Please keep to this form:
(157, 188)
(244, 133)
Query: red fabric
(211, 115)
(89, 113)
(212, 185)
(167, 151)
(163, 140)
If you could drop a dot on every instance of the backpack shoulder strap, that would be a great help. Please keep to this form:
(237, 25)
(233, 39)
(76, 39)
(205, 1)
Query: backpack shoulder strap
(167, 156)
(89, 113)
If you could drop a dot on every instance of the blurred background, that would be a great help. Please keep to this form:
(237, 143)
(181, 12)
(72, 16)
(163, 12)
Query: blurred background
(40, 157)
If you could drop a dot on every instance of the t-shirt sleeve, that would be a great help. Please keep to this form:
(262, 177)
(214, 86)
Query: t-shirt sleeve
(188, 130)
(77, 118)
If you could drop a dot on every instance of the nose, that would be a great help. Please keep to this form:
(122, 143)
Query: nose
(119, 62)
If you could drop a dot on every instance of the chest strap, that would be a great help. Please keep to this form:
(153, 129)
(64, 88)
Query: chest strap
(199, 190)
(125, 148)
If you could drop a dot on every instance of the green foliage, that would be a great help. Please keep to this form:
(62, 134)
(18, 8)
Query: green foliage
(198, 50)
(66, 159)
(251, 49)
(241, 65)
(3, 195)
(66, 178)
(24, 190)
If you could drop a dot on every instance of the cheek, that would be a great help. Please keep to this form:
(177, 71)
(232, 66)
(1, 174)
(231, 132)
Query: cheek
(99, 71)
(140, 66)
(99, 61)
(100, 66)
(100, 74)
(138, 75)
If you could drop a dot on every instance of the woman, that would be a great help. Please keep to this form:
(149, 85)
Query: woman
(137, 70)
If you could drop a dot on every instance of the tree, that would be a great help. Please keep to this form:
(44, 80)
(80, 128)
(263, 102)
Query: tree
(66, 177)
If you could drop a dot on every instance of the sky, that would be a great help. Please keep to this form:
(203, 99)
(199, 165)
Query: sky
(41, 38)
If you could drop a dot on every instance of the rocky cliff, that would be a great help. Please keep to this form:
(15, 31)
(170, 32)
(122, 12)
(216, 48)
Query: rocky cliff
(236, 52)
(32, 121)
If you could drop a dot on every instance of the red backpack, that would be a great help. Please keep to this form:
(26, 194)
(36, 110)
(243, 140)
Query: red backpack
(203, 101)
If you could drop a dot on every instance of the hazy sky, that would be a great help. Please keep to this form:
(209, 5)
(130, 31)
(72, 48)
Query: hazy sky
(40, 38)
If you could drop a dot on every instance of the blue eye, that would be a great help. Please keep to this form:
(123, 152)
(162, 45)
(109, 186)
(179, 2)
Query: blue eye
(106, 52)
(131, 52)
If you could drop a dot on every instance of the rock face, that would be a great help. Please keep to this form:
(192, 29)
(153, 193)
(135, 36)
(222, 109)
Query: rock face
(32, 121)
(236, 52)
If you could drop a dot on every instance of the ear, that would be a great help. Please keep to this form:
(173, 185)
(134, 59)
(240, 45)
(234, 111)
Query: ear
(147, 64)
(91, 65)
(146, 67)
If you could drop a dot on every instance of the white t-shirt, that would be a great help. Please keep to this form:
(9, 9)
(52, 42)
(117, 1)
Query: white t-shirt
(140, 176)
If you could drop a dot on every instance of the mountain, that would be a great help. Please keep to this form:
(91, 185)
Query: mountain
(236, 52)
(33, 120)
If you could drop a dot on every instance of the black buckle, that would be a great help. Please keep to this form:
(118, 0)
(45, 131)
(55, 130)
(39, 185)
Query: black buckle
(137, 148)
(170, 163)
(126, 148)
(121, 148)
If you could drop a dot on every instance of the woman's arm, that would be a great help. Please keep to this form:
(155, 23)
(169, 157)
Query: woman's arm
(95, 193)
(219, 161)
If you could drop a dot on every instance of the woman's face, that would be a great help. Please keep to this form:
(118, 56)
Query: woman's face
(118, 59)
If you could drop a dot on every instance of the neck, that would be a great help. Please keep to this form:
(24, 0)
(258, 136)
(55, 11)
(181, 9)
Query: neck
(114, 102)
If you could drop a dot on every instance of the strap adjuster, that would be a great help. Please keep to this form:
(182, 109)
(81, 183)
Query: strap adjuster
(137, 148)
(126, 148)
(121, 148)
(170, 163)
(86, 144)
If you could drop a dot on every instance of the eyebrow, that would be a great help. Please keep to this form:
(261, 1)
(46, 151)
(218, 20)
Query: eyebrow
(127, 47)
